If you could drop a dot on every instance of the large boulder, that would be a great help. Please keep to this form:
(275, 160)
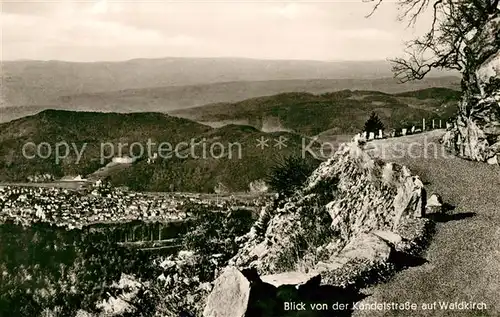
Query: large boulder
(367, 247)
(230, 295)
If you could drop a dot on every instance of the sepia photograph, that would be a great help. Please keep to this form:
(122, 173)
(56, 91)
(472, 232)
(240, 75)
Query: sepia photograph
(250, 158)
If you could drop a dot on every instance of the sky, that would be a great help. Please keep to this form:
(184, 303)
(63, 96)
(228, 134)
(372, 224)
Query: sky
(113, 30)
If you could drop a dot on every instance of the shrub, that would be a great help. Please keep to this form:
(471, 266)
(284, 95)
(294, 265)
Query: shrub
(290, 174)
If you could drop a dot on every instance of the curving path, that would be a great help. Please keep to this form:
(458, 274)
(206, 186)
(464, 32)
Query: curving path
(464, 255)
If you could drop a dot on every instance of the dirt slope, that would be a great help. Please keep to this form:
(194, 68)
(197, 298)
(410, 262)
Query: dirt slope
(464, 256)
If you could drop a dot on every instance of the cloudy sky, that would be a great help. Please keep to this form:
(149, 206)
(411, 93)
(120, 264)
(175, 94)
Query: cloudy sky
(118, 30)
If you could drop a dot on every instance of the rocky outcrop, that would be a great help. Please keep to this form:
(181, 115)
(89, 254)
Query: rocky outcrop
(348, 226)
(370, 256)
(475, 134)
(366, 259)
(347, 197)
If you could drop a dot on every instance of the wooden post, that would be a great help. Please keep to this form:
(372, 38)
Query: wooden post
(440, 123)
(432, 123)
(159, 231)
(423, 124)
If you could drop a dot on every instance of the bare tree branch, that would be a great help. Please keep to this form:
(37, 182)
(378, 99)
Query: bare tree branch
(452, 40)
(374, 8)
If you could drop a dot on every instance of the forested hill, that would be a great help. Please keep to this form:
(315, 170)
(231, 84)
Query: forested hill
(342, 112)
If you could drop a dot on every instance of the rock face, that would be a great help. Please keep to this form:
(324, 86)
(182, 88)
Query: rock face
(347, 196)
(367, 246)
(476, 132)
(361, 255)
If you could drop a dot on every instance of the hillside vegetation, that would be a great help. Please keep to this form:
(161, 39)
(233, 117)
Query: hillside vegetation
(233, 172)
(343, 111)
(241, 163)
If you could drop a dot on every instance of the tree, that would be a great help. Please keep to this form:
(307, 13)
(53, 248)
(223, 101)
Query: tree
(373, 124)
(464, 36)
(455, 40)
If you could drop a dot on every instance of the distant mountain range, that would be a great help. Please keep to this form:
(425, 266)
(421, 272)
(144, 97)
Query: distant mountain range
(42, 80)
(162, 85)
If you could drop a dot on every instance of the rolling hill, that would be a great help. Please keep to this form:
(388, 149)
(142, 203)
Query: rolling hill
(340, 112)
(165, 99)
(99, 135)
